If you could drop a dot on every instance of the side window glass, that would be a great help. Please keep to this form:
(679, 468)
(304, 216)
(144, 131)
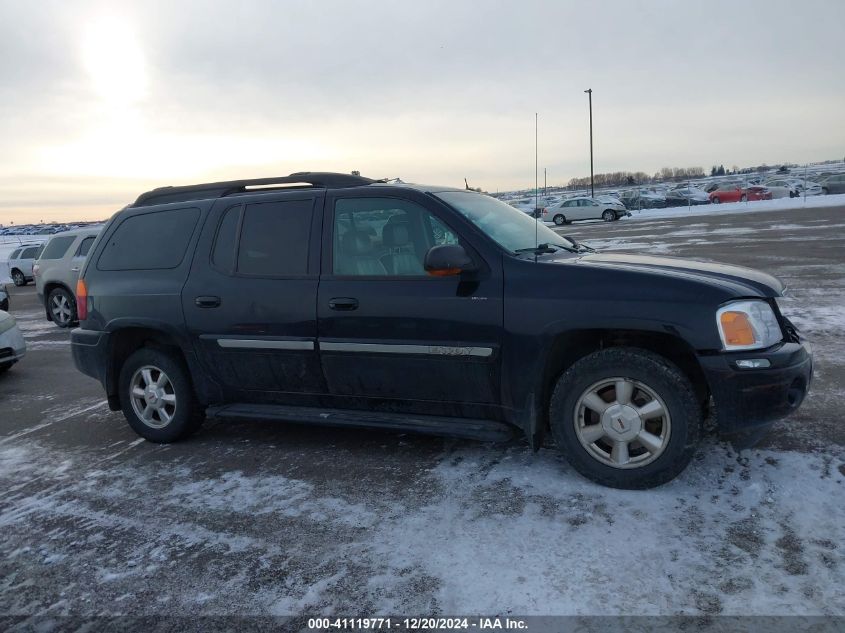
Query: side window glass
(384, 237)
(57, 247)
(84, 247)
(223, 253)
(440, 233)
(28, 253)
(15, 254)
(156, 240)
(275, 237)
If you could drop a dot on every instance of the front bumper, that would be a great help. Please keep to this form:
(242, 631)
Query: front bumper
(751, 398)
(12, 346)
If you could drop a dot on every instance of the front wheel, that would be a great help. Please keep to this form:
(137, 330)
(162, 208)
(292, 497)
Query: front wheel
(625, 418)
(18, 277)
(825, 191)
(716, 200)
(608, 216)
(156, 396)
(559, 219)
(743, 198)
(62, 307)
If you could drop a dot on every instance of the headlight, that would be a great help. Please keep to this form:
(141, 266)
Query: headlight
(748, 325)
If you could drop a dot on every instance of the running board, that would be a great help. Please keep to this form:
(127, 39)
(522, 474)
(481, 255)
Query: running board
(485, 430)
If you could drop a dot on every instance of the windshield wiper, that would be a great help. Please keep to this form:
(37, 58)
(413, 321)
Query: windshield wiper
(544, 248)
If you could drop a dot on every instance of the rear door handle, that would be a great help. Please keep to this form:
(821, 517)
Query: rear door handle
(207, 302)
(75, 269)
(343, 303)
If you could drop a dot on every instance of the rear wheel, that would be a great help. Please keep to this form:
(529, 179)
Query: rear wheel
(62, 307)
(559, 219)
(716, 200)
(825, 191)
(18, 277)
(743, 198)
(157, 398)
(625, 418)
(608, 216)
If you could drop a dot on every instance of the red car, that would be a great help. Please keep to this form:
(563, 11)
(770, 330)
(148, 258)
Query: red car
(735, 193)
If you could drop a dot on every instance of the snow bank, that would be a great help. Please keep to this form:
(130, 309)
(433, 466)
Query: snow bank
(781, 204)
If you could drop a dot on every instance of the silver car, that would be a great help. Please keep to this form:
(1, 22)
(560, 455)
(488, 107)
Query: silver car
(12, 345)
(57, 270)
(20, 263)
(585, 208)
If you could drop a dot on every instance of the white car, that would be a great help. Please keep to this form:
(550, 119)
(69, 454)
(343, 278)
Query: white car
(586, 209)
(782, 188)
(12, 345)
(20, 263)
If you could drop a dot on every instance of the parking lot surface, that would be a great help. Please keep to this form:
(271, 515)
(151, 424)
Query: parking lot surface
(264, 518)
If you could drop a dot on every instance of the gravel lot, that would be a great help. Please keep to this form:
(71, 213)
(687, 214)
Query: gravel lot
(251, 518)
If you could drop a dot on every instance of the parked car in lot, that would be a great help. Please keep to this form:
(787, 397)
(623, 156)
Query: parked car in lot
(736, 193)
(4, 299)
(355, 302)
(57, 270)
(642, 199)
(684, 196)
(586, 209)
(12, 344)
(20, 263)
(833, 184)
(782, 188)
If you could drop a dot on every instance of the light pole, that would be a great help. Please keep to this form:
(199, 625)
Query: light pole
(589, 92)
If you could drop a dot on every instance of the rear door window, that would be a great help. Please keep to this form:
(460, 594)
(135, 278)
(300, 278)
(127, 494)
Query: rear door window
(274, 238)
(85, 246)
(57, 247)
(150, 241)
(29, 253)
(15, 254)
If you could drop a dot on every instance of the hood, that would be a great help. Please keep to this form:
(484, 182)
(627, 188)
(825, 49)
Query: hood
(756, 281)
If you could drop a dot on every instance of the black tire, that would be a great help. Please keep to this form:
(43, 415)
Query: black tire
(61, 306)
(5, 368)
(18, 277)
(716, 200)
(559, 219)
(743, 198)
(187, 416)
(653, 371)
(608, 215)
(825, 191)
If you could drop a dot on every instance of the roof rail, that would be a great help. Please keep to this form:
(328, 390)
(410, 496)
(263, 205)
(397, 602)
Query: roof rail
(322, 179)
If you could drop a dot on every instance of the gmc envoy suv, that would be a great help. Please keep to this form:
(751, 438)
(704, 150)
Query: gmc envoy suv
(333, 299)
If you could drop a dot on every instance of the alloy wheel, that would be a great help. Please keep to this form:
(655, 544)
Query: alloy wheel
(61, 309)
(622, 423)
(153, 396)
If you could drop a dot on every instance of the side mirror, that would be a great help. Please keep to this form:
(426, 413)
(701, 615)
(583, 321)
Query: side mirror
(446, 260)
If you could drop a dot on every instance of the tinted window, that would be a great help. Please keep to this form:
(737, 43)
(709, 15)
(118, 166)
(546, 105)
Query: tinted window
(274, 238)
(29, 253)
(85, 246)
(15, 254)
(384, 237)
(150, 241)
(223, 255)
(57, 247)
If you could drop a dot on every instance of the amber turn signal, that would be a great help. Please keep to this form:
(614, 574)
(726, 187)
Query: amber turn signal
(737, 328)
(81, 300)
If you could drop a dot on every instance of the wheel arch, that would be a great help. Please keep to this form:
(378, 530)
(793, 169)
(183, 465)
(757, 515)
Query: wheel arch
(568, 347)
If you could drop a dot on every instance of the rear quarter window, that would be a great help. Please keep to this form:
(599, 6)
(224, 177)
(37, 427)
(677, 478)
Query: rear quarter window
(151, 241)
(57, 247)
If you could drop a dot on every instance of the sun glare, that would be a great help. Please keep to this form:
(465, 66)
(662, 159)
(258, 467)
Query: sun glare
(114, 60)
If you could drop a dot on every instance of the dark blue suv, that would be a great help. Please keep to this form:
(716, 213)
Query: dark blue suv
(335, 299)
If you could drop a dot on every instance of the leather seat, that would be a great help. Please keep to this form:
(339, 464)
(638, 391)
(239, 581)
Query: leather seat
(396, 237)
(356, 256)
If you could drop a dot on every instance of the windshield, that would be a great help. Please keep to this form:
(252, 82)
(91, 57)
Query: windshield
(508, 227)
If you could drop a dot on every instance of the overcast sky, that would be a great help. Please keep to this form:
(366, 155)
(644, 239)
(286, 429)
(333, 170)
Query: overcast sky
(101, 100)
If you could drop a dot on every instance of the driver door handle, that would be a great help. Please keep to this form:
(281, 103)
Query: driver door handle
(343, 303)
(207, 301)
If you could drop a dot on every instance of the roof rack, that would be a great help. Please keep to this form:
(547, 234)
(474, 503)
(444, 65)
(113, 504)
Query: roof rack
(322, 179)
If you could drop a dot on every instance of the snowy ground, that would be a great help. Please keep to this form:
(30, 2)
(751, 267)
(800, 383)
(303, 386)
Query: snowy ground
(250, 518)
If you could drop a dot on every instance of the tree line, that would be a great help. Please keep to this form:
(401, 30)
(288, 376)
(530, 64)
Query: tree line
(630, 178)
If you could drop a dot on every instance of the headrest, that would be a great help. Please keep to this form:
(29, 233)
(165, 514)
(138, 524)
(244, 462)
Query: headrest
(394, 235)
(356, 243)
